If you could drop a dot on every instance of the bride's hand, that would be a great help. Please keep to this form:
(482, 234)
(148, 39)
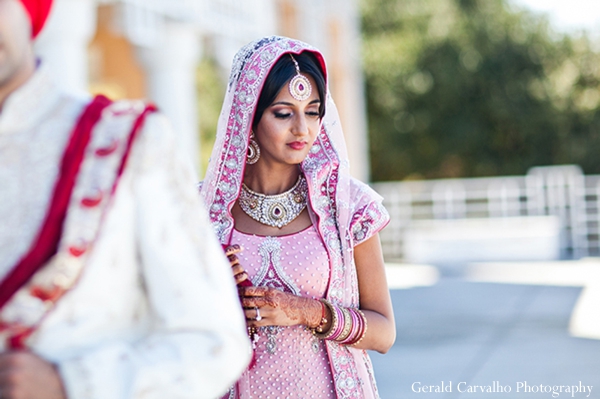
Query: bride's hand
(239, 274)
(278, 308)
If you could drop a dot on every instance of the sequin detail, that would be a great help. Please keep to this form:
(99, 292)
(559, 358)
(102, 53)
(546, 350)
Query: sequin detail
(289, 363)
(334, 196)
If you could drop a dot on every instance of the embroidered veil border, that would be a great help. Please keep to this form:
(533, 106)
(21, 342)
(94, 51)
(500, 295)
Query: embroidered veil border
(331, 188)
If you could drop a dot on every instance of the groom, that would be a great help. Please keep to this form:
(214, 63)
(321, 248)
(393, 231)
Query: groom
(112, 284)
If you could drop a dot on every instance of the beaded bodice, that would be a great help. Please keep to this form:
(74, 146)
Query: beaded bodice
(291, 362)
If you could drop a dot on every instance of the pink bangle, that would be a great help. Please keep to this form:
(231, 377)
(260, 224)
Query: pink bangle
(355, 327)
(363, 331)
(340, 325)
(348, 325)
(354, 330)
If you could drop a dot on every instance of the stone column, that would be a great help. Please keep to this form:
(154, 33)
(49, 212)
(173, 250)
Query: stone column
(334, 28)
(62, 45)
(171, 80)
(348, 84)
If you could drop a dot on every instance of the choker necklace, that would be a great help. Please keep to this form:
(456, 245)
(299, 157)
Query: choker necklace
(275, 210)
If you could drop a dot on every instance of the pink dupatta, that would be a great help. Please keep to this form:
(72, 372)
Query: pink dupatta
(345, 211)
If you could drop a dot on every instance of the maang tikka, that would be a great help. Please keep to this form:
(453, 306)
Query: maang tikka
(253, 151)
(299, 87)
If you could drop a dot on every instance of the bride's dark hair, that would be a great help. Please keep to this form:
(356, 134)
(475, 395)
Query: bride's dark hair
(283, 70)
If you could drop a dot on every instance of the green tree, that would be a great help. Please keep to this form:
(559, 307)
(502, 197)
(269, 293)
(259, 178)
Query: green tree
(210, 87)
(460, 88)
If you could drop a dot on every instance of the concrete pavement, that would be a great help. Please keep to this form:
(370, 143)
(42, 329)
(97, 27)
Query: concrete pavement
(487, 336)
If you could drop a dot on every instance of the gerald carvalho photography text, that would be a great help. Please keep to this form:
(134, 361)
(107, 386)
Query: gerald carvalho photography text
(556, 390)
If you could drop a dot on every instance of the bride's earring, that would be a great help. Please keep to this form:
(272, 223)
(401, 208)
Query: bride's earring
(253, 151)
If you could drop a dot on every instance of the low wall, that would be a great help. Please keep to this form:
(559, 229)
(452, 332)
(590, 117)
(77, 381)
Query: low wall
(484, 239)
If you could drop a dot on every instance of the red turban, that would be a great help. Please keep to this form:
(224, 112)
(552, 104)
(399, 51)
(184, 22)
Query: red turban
(38, 12)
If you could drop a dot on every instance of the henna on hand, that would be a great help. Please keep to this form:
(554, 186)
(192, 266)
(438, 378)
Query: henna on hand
(239, 274)
(233, 249)
(299, 309)
(240, 277)
(233, 260)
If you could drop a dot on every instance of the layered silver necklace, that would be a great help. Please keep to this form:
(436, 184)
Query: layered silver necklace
(275, 210)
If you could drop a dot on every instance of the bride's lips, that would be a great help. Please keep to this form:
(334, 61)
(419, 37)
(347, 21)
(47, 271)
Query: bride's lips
(297, 145)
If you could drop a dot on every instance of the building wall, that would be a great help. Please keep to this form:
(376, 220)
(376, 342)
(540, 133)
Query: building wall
(114, 70)
(136, 49)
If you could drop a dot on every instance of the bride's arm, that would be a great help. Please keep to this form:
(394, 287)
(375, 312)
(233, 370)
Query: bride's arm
(278, 308)
(375, 301)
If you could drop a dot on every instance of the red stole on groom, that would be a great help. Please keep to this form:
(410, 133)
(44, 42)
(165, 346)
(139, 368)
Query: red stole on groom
(46, 243)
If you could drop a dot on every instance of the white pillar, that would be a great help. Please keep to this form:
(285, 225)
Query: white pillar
(334, 28)
(62, 45)
(171, 80)
(351, 87)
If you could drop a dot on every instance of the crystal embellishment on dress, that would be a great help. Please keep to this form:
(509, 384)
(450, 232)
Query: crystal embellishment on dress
(271, 273)
(271, 344)
(291, 361)
(316, 345)
(299, 87)
(275, 210)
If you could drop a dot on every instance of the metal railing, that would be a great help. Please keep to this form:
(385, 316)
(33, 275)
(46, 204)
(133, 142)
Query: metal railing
(562, 191)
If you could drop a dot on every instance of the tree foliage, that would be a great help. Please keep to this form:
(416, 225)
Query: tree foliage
(210, 86)
(460, 88)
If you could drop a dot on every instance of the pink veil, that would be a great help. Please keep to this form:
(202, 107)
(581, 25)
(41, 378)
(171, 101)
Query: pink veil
(343, 209)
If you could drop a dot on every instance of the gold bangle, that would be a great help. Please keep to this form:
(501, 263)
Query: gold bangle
(319, 328)
(347, 325)
(334, 322)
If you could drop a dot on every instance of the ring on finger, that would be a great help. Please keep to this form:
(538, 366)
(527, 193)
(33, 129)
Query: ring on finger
(258, 316)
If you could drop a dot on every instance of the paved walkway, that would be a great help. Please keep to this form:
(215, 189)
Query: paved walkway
(475, 333)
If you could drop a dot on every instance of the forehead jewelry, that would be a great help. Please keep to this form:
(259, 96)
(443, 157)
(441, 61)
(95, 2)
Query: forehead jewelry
(299, 87)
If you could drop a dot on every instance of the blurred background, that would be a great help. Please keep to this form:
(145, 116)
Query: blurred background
(477, 120)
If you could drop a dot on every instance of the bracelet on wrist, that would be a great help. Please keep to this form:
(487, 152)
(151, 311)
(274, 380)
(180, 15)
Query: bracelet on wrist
(348, 325)
(334, 322)
(321, 326)
(363, 328)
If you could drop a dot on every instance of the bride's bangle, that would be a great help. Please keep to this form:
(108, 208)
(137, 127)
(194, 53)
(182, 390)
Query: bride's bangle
(334, 322)
(362, 330)
(319, 328)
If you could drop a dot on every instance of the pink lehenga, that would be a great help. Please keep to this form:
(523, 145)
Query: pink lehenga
(344, 211)
(290, 361)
